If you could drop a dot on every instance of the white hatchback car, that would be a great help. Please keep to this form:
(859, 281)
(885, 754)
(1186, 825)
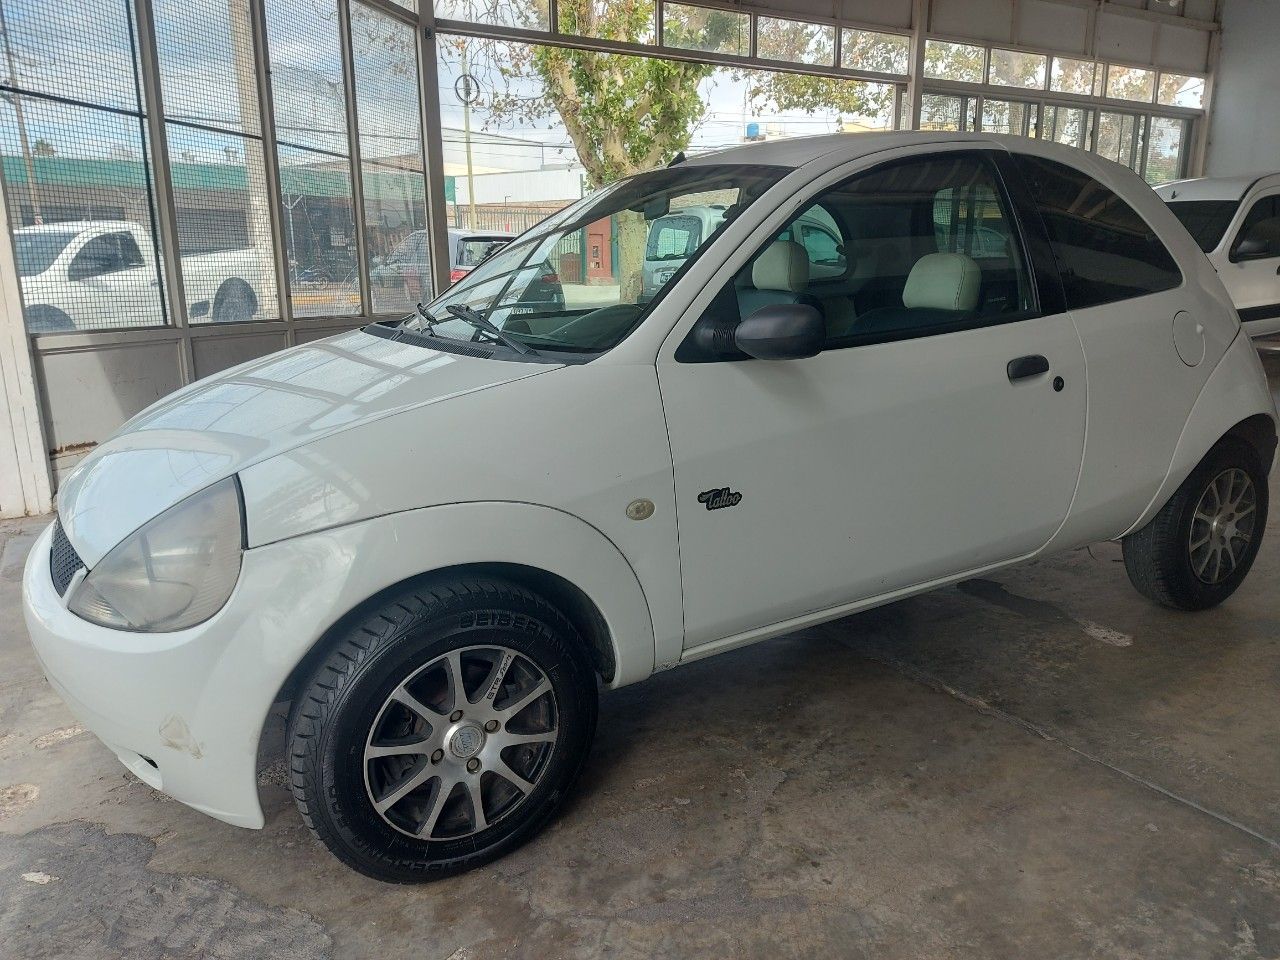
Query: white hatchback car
(437, 537)
(1236, 222)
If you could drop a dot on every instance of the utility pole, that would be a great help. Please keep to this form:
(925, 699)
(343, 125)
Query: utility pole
(468, 94)
(33, 191)
(256, 202)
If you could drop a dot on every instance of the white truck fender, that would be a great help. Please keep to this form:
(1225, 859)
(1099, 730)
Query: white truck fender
(1234, 392)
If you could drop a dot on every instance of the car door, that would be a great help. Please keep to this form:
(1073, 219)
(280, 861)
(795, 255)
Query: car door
(1252, 271)
(111, 280)
(930, 438)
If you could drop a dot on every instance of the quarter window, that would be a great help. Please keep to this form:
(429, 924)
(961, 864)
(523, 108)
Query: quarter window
(1105, 251)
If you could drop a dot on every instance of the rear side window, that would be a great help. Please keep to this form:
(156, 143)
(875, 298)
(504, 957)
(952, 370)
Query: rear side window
(109, 253)
(674, 238)
(472, 250)
(1105, 251)
(1205, 220)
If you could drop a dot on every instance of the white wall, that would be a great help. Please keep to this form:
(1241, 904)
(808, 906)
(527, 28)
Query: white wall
(24, 464)
(1244, 126)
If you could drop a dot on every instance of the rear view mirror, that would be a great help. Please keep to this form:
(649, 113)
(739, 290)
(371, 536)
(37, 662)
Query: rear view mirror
(782, 331)
(655, 208)
(1252, 249)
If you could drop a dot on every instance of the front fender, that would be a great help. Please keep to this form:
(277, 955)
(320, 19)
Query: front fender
(348, 564)
(1236, 390)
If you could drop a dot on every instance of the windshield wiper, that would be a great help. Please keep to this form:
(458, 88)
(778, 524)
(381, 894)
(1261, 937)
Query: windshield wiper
(467, 315)
(430, 324)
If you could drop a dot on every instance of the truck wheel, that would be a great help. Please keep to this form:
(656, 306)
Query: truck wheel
(1198, 549)
(442, 730)
(234, 302)
(46, 319)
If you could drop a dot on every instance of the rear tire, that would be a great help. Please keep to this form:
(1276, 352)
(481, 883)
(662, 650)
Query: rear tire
(449, 694)
(234, 302)
(46, 319)
(1199, 548)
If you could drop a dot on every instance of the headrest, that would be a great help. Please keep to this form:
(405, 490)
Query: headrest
(783, 266)
(943, 281)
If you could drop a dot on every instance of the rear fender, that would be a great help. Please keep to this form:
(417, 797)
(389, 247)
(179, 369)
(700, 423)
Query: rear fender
(1235, 392)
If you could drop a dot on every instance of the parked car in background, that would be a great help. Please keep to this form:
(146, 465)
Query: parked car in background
(470, 249)
(675, 237)
(409, 263)
(102, 274)
(1236, 221)
(438, 537)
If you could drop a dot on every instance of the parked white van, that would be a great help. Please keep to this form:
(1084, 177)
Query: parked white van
(1236, 221)
(437, 538)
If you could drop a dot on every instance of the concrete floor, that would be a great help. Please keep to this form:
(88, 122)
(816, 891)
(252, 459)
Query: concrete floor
(1039, 764)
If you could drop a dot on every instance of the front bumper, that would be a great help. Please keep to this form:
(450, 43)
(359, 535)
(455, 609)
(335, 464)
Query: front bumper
(185, 710)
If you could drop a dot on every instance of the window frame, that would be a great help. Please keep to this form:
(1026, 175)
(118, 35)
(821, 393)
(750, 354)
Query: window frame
(1044, 283)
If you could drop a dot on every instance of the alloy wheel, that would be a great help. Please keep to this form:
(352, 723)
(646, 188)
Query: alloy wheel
(1222, 526)
(461, 743)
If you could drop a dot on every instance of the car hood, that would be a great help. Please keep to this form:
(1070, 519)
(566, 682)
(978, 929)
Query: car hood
(218, 426)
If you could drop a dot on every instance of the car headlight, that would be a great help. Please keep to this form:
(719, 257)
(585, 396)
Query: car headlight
(172, 573)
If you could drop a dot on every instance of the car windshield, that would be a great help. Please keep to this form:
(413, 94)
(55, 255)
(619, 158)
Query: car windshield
(35, 251)
(1205, 220)
(574, 283)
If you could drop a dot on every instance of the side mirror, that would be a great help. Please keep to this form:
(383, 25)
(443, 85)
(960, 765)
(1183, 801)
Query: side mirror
(782, 331)
(1252, 248)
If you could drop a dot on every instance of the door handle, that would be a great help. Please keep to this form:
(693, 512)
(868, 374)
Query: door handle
(1029, 366)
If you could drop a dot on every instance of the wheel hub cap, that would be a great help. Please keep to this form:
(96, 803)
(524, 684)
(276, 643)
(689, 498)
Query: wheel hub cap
(466, 740)
(1222, 526)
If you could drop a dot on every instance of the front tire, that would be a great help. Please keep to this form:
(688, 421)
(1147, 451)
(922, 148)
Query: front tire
(1199, 548)
(443, 729)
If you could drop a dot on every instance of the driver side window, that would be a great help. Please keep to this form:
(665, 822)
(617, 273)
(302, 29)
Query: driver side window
(925, 247)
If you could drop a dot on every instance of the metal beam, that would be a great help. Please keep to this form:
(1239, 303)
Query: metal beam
(165, 212)
(353, 154)
(437, 205)
(271, 163)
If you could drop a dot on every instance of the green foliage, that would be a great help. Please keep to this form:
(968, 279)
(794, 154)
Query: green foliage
(628, 113)
(623, 113)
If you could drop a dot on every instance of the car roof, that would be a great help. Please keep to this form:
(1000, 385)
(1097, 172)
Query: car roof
(75, 226)
(455, 234)
(1216, 188)
(797, 151)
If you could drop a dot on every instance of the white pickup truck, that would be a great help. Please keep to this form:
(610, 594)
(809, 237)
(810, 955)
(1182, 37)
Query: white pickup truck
(102, 274)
